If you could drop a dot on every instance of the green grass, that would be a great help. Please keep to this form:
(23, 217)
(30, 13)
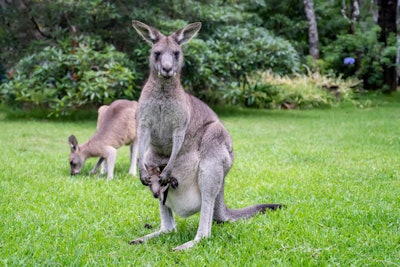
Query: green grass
(337, 170)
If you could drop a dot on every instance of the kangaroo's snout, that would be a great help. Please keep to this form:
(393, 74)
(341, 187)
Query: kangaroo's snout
(156, 194)
(166, 70)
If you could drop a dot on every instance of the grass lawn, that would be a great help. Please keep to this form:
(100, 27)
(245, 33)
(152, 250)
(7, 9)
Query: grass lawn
(337, 170)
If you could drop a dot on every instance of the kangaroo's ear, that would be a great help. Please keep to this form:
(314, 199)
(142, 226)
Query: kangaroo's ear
(148, 33)
(73, 143)
(184, 35)
(102, 109)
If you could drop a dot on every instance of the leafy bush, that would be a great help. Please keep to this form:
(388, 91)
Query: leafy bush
(267, 90)
(70, 75)
(370, 55)
(223, 61)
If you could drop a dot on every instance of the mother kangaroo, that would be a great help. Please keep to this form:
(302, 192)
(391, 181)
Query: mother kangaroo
(181, 134)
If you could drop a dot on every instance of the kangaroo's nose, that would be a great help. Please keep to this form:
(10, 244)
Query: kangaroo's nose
(167, 63)
(167, 69)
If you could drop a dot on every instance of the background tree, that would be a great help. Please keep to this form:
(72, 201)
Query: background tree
(388, 36)
(239, 40)
(398, 43)
(231, 45)
(312, 28)
(353, 15)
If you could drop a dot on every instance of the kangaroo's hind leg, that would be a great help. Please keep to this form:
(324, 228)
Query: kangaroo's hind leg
(210, 179)
(167, 225)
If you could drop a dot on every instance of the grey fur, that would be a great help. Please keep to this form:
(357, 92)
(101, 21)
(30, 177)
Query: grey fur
(116, 126)
(180, 132)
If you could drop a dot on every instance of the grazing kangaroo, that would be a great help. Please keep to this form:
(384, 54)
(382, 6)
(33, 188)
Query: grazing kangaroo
(180, 132)
(116, 126)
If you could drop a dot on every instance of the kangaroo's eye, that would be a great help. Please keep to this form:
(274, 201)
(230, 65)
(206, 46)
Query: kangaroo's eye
(176, 54)
(157, 55)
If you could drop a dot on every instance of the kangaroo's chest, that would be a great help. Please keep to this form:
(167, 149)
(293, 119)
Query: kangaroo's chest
(163, 117)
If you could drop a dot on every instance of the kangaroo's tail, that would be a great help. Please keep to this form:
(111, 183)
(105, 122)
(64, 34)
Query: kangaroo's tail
(249, 212)
(222, 213)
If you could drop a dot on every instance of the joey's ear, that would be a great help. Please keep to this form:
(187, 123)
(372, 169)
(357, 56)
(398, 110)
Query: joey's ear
(148, 33)
(184, 35)
(73, 143)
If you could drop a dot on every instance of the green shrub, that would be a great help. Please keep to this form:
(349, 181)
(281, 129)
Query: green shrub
(70, 75)
(271, 91)
(370, 56)
(224, 61)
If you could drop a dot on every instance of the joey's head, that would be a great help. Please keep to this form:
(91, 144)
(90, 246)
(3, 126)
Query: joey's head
(166, 57)
(76, 159)
(155, 186)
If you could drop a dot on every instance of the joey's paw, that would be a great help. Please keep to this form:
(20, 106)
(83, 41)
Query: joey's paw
(144, 176)
(164, 178)
(174, 183)
(145, 180)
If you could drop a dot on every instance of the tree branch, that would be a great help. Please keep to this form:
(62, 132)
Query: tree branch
(35, 24)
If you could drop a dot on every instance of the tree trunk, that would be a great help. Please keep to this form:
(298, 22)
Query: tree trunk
(398, 44)
(387, 16)
(312, 28)
(354, 15)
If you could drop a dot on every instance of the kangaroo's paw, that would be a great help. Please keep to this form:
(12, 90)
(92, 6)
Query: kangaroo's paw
(149, 236)
(185, 246)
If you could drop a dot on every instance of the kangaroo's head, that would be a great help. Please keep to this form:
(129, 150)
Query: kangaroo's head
(76, 160)
(166, 58)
